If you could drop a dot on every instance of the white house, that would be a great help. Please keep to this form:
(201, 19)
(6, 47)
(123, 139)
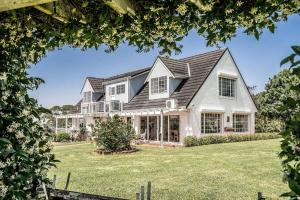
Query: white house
(198, 95)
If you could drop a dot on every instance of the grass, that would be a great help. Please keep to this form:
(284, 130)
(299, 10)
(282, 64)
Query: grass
(221, 171)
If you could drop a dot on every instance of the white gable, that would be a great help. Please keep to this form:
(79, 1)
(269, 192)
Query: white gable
(207, 98)
(158, 69)
(87, 87)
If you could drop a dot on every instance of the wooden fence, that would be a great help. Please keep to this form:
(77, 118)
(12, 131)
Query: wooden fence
(51, 193)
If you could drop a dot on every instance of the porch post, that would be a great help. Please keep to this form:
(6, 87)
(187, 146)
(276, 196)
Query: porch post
(161, 128)
(168, 128)
(157, 128)
(66, 124)
(56, 124)
(147, 127)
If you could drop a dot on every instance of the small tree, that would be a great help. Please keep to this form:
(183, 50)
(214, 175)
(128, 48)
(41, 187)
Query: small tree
(113, 134)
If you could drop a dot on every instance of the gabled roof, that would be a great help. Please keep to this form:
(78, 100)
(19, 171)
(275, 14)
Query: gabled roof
(96, 83)
(177, 67)
(200, 67)
(128, 74)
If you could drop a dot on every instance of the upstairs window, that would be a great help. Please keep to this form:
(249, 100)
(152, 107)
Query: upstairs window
(159, 85)
(87, 97)
(121, 89)
(226, 87)
(112, 91)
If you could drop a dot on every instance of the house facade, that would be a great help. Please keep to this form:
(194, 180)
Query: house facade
(198, 95)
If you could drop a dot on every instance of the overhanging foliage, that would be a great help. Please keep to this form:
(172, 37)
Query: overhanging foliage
(27, 34)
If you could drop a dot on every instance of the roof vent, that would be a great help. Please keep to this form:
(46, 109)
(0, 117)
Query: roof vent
(188, 68)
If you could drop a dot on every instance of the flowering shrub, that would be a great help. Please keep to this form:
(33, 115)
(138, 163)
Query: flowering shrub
(113, 134)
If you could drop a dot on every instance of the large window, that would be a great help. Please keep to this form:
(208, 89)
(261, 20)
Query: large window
(226, 87)
(159, 85)
(87, 97)
(210, 123)
(121, 89)
(111, 91)
(240, 123)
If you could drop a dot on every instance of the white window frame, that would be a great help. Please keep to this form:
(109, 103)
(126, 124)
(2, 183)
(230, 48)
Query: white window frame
(112, 91)
(159, 85)
(231, 87)
(87, 96)
(120, 89)
(240, 128)
(219, 121)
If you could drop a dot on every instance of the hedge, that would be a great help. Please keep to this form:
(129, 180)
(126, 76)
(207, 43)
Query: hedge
(190, 141)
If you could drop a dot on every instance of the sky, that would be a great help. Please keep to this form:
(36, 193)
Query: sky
(65, 70)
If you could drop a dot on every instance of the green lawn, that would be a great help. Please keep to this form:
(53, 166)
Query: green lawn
(221, 171)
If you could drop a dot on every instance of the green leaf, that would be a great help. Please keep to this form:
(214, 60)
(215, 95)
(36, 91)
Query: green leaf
(290, 58)
(4, 141)
(296, 49)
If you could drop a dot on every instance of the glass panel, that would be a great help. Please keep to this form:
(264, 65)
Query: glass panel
(240, 123)
(121, 89)
(174, 128)
(162, 84)
(153, 128)
(226, 87)
(143, 130)
(210, 123)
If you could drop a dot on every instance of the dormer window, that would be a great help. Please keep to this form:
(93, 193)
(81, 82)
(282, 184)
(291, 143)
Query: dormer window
(159, 85)
(112, 91)
(227, 87)
(121, 89)
(87, 96)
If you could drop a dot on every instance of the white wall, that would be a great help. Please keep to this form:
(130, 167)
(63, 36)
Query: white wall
(208, 99)
(86, 87)
(121, 97)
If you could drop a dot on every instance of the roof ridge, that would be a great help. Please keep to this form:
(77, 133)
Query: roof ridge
(209, 52)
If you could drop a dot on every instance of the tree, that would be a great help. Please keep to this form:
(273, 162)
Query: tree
(290, 145)
(277, 91)
(27, 34)
(114, 134)
(264, 123)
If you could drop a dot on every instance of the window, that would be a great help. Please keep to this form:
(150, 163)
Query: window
(121, 89)
(159, 85)
(240, 123)
(226, 87)
(87, 97)
(112, 91)
(210, 123)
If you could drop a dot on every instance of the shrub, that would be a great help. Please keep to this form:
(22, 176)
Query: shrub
(113, 134)
(190, 141)
(62, 137)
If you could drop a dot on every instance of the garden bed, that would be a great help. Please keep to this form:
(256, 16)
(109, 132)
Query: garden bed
(106, 152)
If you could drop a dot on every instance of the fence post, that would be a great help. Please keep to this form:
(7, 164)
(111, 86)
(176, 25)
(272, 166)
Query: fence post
(259, 196)
(149, 190)
(142, 192)
(137, 196)
(54, 182)
(68, 180)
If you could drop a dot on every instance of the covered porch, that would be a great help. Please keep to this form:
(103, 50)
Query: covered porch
(152, 125)
(68, 123)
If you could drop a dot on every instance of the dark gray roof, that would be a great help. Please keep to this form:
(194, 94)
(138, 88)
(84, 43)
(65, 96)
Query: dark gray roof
(96, 83)
(129, 74)
(200, 67)
(177, 67)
